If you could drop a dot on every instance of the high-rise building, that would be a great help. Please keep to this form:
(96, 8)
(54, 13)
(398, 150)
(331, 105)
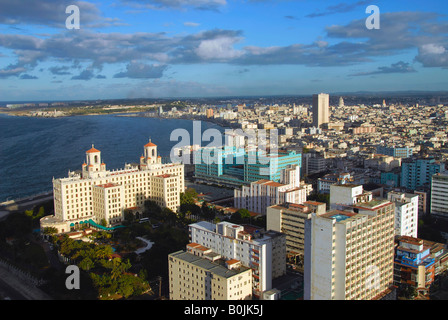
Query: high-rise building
(439, 194)
(263, 252)
(349, 254)
(289, 218)
(406, 213)
(209, 113)
(417, 172)
(97, 195)
(321, 109)
(234, 166)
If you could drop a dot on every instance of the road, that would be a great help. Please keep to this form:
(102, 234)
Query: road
(15, 288)
(24, 204)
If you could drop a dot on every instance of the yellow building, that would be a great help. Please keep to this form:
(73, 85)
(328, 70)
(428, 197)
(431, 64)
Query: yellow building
(96, 193)
(201, 274)
(289, 218)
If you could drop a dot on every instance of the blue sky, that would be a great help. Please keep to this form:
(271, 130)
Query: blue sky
(194, 48)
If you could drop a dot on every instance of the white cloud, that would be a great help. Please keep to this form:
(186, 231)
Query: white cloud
(432, 48)
(191, 24)
(218, 49)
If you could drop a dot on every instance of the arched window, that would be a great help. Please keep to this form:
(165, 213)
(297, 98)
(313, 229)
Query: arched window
(96, 159)
(153, 152)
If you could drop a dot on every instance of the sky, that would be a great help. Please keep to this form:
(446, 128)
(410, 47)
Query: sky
(217, 48)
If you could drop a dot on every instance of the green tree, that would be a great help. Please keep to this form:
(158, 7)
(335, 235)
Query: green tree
(86, 264)
(245, 214)
(50, 230)
(189, 196)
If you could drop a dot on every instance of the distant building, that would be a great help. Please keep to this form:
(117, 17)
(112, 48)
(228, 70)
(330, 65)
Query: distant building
(397, 152)
(439, 195)
(235, 167)
(321, 109)
(324, 183)
(209, 113)
(418, 172)
(313, 163)
(391, 179)
(261, 194)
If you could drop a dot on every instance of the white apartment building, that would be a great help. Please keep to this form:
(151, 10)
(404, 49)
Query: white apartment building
(261, 194)
(201, 274)
(349, 255)
(439, 194)
(263, 252)
(345, 194)
(406, 213)
(95, 193)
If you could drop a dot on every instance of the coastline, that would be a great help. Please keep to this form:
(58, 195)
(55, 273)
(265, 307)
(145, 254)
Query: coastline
(220, 123)
(13, 122)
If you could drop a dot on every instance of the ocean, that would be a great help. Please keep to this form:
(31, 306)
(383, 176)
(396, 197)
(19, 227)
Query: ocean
(34, 150)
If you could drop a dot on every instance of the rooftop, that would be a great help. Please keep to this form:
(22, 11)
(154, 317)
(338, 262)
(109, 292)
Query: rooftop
(372, 204)
(217, 267)
(338, 215)
(92, 150)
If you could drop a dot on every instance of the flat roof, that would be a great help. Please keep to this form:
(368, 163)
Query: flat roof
(338, 215)
(216, 267)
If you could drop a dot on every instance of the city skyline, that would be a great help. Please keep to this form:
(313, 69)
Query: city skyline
(208, 48)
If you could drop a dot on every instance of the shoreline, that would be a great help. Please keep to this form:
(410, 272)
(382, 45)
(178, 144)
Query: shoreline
(136, 114)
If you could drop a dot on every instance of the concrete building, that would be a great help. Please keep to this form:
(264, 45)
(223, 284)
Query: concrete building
(414, 264)
(346, 194)
(234, 167)
(396, 152)
(418, 172)
(349, 253)
(289, 218)
(263, 252)
(200, 274)
(439, 195)
(321, 109)
(259, 195)
(97, 195)
(313, 163)
(209, 113)
(406, 213)
(324, 183)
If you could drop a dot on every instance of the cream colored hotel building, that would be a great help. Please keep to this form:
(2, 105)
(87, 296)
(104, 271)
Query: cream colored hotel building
(349, 253)
(96, 193)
